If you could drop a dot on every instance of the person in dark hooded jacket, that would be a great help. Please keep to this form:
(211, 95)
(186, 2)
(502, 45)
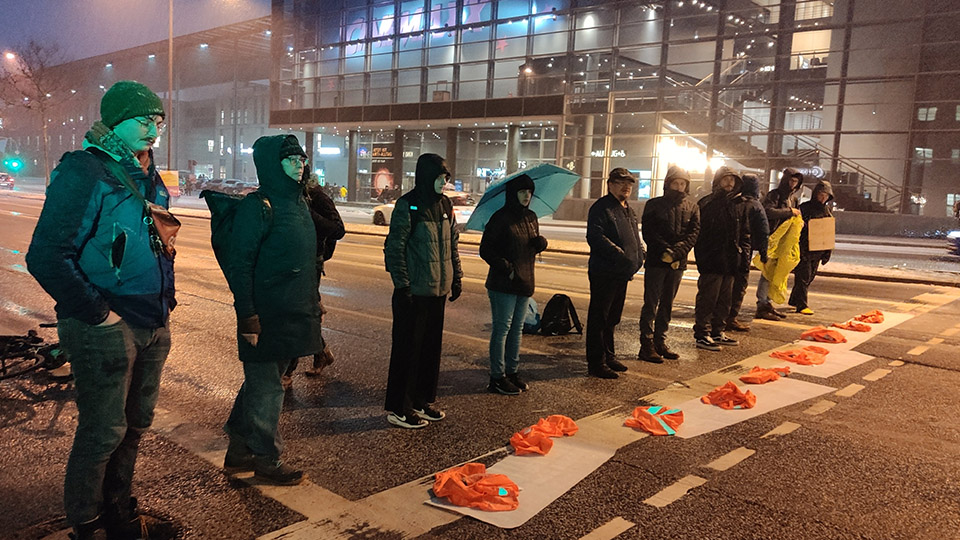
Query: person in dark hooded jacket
(511, 240)
(616, 254)
(670, 226)
(753, 238)
(271, 270)
(780, 205)
(718, 257)
(810, 261)
(424, 263)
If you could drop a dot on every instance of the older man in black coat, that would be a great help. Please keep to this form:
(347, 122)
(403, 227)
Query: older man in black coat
(616, 254)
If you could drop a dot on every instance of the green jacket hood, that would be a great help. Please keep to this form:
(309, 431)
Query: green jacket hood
(266, 156)
(724, 171)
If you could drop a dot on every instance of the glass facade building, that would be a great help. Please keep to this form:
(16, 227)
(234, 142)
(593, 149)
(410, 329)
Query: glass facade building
(861, 92)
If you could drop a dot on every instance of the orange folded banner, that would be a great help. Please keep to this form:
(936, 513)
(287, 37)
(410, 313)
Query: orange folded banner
(655, 420)
(759, 375)
(852, 325)
(469, 485)
(536, 438)
(807, 356)
(873, 317)
(729, 396)
(823, 335)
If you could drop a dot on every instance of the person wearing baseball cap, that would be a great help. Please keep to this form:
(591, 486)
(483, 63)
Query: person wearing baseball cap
(616, 254)
(95, 254)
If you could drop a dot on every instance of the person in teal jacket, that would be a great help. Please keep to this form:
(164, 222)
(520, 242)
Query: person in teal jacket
(94, 253)
(271, 270)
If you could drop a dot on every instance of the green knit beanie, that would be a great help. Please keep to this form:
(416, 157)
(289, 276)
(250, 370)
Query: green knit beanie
(128, 99)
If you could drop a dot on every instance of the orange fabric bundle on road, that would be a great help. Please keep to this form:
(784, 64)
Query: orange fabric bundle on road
(729, 396)
(823, 335)
(873, 317)
(807, 356)
(759, 375)
(536, 438)
(655, 420)
(852, 325)
(469, 485)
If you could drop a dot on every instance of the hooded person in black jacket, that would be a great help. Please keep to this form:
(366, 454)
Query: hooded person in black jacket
(422, 257)
(271, 270)
(670, 226)
(780, 205)
(616, 254)
(810, 261)
(510, 242)
(754, 237)
(718, 256)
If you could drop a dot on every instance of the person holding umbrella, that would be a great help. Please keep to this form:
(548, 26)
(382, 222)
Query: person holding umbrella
(510, 242)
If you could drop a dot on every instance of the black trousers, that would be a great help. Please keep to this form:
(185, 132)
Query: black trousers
(606, 306)
(740, 280)
(415, 353)
(714, 293)
(660, 286)
(803, 276)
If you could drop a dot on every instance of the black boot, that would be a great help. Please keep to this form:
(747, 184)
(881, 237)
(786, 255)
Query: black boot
(664, 351)
(600, 370)
(648, 353)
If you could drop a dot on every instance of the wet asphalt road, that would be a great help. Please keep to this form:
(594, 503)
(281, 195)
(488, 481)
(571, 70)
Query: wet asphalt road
(881, 463)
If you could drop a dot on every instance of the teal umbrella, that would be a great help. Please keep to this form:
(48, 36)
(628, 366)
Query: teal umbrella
(551, 183)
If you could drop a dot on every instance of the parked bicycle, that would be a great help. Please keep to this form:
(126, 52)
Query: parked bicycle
(22, 354)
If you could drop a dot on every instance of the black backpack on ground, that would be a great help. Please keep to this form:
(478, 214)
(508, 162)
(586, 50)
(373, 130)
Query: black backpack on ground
(559, 317)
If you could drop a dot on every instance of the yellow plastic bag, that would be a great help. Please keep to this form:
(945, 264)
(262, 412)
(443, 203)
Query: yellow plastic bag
(783, 254)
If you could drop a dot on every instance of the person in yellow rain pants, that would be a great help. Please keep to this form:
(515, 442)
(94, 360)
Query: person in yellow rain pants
(783, 254)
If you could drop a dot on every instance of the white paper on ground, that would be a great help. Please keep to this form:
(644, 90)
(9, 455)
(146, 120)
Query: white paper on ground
(541, 479)
(700, 418)
(836, 362)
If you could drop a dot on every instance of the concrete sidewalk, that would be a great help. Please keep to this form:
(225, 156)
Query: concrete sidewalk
(470, 238)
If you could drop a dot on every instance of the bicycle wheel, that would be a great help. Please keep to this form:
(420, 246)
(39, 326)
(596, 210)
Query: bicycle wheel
(19, 363)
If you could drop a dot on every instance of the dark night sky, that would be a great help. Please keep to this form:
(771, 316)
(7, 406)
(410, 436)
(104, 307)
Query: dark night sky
(84, 28)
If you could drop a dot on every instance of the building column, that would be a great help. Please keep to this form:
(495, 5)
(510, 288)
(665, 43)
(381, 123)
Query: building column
(310, 145)
(513, 149)
(451, 156)
(586, 162)
(353, 182)
(397, 167)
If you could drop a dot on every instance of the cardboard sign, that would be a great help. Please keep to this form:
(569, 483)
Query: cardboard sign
(822, 234)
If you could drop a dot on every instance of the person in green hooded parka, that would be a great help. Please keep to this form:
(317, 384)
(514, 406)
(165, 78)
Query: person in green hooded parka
(271, 270)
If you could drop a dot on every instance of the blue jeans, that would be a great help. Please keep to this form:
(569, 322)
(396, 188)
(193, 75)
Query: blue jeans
(508, 312)
(255, 415)
(763, 293)
(117, 373)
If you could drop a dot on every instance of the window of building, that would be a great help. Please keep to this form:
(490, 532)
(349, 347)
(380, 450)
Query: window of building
(926, 114)
(210, 145)
(958, 113)
(923, 155)
(955, 156)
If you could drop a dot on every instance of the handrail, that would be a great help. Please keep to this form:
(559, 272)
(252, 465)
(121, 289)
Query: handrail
(722, 73)
(825, 152)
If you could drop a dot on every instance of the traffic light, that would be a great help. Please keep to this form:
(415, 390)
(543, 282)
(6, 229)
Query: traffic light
(13, 164)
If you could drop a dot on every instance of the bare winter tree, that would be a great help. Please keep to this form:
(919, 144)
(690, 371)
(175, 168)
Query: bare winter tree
(31, 79)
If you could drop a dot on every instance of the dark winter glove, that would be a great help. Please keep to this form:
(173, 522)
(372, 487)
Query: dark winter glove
(825, 258)
(538, 243)
(455, 290)
(403, 296)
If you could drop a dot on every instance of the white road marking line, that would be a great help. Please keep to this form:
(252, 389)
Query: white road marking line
(896, 363)
(935, 341)
(673, 492)
(820, 407)
(611, 529)
(849, 390)
(730, 459)
(783, 429)
(950, 332)
(876, 374)
(918, 350)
